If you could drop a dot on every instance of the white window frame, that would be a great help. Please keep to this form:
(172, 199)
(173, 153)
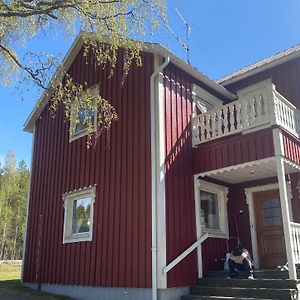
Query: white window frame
(94, 92)
(203, 100)
(69, 199)
(221, 192)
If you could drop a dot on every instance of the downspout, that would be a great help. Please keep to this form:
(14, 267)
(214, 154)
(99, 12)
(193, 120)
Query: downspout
(154, 172)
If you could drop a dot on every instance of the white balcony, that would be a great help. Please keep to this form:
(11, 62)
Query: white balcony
(258, 106)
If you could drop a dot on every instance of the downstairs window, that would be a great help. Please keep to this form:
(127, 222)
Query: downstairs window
(78, 219)
(213, 208)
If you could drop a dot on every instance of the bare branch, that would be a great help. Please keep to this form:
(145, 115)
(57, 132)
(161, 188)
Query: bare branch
(29, 71)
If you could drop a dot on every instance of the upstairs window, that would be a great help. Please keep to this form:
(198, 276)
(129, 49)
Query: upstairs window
(78, 220)
(84, 120)
(203, 101)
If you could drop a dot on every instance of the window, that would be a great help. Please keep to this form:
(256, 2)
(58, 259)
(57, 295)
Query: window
(271, 212)
(78, 220)
(209, 210)
(82, 117)
(203, 100)
(213, 208)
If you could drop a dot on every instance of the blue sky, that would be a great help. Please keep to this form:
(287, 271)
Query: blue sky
(226, 36)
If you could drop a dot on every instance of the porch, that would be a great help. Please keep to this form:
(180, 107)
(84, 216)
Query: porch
(253, 138)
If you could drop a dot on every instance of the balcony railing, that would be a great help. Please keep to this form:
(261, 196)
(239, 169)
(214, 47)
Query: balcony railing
(257, 107)
(295, 228)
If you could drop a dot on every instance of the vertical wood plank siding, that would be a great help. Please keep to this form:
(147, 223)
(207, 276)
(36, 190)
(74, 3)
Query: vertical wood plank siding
(180, 208)
(233, 150)
(291, 147)
(120, 252)
(286, 77)
(180, 199)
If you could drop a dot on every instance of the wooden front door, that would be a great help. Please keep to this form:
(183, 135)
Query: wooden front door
(270, 237)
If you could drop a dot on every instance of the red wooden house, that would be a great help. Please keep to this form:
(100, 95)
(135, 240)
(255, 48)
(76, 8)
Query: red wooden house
(193, 163)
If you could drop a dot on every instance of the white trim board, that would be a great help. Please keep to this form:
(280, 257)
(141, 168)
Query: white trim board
(249, 199)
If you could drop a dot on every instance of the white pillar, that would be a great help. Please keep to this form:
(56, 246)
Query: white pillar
(286, 218)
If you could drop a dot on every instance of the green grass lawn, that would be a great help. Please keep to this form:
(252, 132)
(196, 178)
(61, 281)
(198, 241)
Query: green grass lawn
(10, 284)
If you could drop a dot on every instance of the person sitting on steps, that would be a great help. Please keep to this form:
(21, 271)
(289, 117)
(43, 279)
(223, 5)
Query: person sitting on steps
(240, 259)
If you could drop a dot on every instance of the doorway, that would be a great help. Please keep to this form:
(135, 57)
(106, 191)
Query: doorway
(269, 230)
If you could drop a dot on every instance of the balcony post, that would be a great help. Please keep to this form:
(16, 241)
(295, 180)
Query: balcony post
(284, 202)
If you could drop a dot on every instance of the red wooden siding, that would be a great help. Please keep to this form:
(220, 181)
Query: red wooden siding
(120, 252)
(237, 149)
(180, 209)
(213, 254)
(291, 147)
(180, 202)
(286, 77)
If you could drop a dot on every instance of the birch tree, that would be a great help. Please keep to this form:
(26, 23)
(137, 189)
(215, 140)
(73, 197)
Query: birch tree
(121, 22)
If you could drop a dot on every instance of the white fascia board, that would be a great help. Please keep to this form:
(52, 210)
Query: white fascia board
(41, 103)
(193, 72)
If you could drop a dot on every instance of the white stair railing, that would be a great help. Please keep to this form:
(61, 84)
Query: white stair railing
(185, 253)
(295, 228)
(257, 106)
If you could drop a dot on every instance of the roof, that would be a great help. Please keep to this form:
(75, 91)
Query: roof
(261, 65)
(147, 47)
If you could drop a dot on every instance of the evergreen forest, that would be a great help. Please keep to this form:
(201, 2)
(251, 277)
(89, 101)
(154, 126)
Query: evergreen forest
(14, 185)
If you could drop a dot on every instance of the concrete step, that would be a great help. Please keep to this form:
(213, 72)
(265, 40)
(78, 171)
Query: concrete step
(261, 274)
(198, 297)
(246, 283)
(240, 292)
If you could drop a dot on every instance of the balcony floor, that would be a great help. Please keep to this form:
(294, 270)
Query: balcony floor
(253, 170)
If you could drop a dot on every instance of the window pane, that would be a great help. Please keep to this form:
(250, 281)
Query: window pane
(209, 210)
(266, 204)
(84, 116)
(81, 215)
(268, 221)
(274, 203)
(267, 212)
(276, 221)
(276, 212)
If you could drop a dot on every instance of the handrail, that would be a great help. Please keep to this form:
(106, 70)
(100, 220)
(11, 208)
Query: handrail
(295, 224)
(179, 258)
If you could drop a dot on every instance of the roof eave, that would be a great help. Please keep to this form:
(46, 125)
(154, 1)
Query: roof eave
(45, 97)
(195, 73)
(148, 47)
(223, 81)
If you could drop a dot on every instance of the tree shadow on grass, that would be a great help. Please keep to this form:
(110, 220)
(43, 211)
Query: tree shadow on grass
(15, 287)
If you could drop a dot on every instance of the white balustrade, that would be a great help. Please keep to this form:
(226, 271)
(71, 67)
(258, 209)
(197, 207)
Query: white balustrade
(295, 229)
(258, 106)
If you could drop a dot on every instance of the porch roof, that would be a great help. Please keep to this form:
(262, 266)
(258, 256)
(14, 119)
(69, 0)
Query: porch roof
(253, 170)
